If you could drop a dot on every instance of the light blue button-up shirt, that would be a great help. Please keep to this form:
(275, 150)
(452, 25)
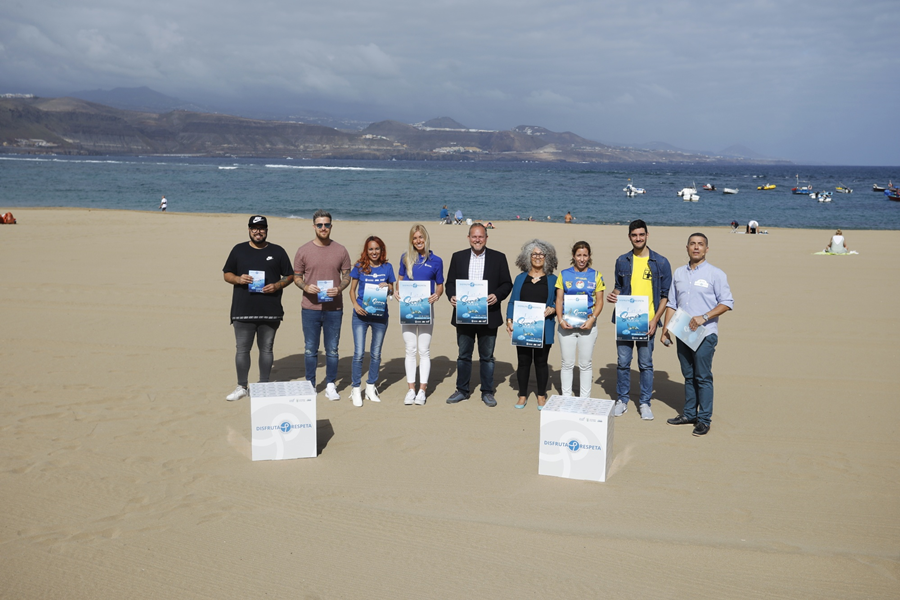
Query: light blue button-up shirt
(698, 291)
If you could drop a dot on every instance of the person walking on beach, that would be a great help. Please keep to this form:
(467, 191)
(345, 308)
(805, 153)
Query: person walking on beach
(640, 272)
(372, 270)
(419, 263)
(577, 339)
(478, 262)
(258, 272)
(322, 271)
(163, 204)
(702, 291)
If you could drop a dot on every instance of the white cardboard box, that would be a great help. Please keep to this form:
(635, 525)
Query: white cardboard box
(576, 438)
(283, 420)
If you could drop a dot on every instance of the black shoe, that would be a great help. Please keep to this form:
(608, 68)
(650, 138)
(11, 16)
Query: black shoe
(489, 400)
(701, 429)
(681, 420)
(457, 396)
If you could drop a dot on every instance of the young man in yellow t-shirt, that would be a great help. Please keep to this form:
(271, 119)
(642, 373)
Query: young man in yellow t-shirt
(640, 272)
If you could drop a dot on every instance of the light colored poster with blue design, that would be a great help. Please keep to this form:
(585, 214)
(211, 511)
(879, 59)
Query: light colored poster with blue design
(633, 318)
(575, 309)
(375, 300)
(259, 281)
(324, 285)
(471, 302)
(680, 326)
(528, 324)
(413, 300)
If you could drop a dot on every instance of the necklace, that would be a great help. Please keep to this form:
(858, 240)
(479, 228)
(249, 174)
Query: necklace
(535, 279)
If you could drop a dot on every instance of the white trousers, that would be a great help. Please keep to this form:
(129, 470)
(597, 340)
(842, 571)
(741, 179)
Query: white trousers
(417, 339)
(576, 344)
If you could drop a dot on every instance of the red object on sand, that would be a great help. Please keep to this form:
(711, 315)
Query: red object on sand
(9, 219)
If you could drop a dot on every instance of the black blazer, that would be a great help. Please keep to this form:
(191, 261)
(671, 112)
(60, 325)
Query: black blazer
(496, 272)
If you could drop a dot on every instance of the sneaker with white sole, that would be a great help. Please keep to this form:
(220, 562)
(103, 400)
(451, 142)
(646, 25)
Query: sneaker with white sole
(410, 397)
(621, 408)
(356, 396)
(331, 392)
(238, 393)
(646, 413)
(420, 398)
(372, 394)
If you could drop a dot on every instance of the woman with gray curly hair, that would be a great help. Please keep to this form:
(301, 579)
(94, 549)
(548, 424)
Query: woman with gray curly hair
(537, 284)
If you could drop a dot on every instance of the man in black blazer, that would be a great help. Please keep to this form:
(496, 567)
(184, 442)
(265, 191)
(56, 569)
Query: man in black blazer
(478, 262)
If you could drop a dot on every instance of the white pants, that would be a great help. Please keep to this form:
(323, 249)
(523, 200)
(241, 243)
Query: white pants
(576, 343)
(417, 338)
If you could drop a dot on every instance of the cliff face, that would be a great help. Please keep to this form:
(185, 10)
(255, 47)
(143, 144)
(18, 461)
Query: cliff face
(72, 126)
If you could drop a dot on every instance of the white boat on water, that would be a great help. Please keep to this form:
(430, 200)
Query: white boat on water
(689, 194)
(821, 196)
(632, 191)
(730, 191)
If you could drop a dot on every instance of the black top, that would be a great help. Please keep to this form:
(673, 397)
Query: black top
(534, 292)
(251, 306)
(496, 272)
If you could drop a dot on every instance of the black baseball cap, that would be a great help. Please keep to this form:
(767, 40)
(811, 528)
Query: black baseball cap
(258, 222)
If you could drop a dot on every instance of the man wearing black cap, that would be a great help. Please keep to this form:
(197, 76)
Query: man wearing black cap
(258, 272)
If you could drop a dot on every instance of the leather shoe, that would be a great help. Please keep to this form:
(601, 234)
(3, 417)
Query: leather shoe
(457, 396)
(681, 420)
(701, 429)
(489, 400)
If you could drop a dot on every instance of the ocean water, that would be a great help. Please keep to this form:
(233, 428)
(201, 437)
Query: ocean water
(415, 191)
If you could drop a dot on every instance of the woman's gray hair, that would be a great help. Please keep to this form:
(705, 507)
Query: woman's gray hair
(524, 259)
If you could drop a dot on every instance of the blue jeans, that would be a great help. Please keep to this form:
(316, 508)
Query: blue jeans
(645, 364)
(314, 322)
(698, 378)
(360, 325)
(465, 339)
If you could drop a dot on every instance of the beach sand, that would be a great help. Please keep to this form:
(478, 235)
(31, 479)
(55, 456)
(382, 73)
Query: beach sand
(125, 473)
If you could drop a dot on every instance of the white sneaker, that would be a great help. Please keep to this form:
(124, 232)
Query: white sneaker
(356, 396)
(372, 394)
(410, 397)
(621, 408)
(238, 393)
(331, 392)
(646, 413)
(420, 398)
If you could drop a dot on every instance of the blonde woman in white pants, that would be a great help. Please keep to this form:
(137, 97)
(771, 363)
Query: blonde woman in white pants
(577, 329)
(419, 263)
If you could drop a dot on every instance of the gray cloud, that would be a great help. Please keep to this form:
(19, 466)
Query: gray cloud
(802, 79)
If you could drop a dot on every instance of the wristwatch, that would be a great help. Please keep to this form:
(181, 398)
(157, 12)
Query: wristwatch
(705, 317)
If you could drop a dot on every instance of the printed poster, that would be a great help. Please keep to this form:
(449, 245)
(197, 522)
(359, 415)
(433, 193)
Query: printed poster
(259, 281)
(375, 300)
(679, 326)
(413, 300)
(575, 309)
(324, 285)
(633, 318)
(471, 302)
(528, 324)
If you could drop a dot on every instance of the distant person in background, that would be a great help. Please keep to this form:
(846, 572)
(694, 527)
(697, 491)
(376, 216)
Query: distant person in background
(459, 216)
(569, 217)
(753, 227)
(163, 204)
(838, 244)
(734, 226)
(489, 225)
(445, 215)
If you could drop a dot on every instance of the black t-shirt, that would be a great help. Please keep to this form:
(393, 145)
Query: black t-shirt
(252, 306)
(534, 292)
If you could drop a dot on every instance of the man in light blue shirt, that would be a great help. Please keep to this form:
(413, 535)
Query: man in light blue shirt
(702, 291)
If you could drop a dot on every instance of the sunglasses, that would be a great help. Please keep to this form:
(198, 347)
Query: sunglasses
(323, 225)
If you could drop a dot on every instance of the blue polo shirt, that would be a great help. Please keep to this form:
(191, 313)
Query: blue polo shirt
(381, 273)
(429, 269)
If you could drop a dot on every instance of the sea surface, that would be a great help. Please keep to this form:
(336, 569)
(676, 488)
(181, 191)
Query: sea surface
(487, 191)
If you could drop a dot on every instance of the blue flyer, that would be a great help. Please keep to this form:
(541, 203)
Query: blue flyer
(575, 309)
(413, 300)
(375, 300)
(679, 326)
(259, 281)
(528, 324)
(471, 302)
(324, 285)
(633, 318)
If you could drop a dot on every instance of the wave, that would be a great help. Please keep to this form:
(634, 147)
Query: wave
(228, 168)
(323, 168)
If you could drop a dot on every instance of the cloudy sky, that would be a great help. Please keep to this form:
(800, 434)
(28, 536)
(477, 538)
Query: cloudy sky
(807, 80)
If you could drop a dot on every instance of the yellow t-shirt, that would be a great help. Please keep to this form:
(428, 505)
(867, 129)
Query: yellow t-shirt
(642, 280)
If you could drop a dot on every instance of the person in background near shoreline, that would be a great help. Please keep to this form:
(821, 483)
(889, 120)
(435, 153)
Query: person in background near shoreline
(537, 284)
(478, 262)
(317, 262)
(640, 272)
(372, 269)
(569, 217)
(163, 204)
(702, 290)
(445, 215)
(577, 342)
(259, 272)
(753, 227)
(419, 263)
(837, 245)
(459, 216)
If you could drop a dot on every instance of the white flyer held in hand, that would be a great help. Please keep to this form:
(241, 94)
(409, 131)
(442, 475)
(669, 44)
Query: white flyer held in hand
(680, 326)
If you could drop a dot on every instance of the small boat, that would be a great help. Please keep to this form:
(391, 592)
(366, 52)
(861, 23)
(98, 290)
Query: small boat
(893, 194)
(768, 186)
(821, 196)
(877, 188)
(802, 189)
(730, 191)
(632, 191)
(709, 187)
(843, 189)
(689, 194)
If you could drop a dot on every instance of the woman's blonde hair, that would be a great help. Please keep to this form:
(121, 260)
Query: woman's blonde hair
(412, 255)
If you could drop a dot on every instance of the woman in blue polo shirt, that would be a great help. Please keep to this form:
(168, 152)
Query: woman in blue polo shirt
(419, 263)
(577, 338)
(370, 275)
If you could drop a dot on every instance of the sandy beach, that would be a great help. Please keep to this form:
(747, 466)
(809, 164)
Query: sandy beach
(125, 473)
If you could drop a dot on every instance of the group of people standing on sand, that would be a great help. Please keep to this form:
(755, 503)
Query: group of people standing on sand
(322, 268)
